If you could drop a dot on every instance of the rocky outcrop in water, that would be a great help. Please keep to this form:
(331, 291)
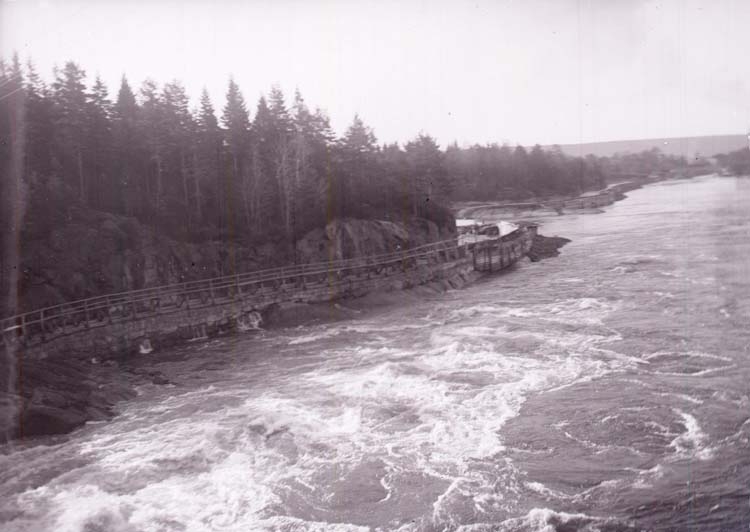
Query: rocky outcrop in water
(57, 396)
(544, 247)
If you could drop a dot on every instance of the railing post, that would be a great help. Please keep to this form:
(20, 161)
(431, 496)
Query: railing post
(237, 286)
(109, 310)
(41, 324)
(211, 291)
(86, 312)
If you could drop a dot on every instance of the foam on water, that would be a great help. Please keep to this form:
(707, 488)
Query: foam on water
(692, 442)
(314, 337)
(436, 409)
(687, 354)
(439, 413)
(541, 520)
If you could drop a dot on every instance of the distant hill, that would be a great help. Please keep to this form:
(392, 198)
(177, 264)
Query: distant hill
(687, 146)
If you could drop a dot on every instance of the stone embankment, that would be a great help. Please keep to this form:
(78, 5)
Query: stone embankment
(154, 318)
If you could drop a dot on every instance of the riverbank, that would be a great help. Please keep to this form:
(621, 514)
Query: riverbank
(626, 353)
(52, 403)
(591, 201)
(59, 394)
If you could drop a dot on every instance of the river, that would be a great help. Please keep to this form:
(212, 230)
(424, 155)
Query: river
(607, 389)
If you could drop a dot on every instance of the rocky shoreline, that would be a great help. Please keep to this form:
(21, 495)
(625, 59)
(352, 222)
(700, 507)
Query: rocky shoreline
(536, 207)
(544, 247)
(58, 395)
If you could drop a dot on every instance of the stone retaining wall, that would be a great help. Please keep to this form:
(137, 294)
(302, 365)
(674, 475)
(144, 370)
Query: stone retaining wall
(176, 325)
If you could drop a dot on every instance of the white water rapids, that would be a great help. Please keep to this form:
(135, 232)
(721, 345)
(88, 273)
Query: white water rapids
(602, 390)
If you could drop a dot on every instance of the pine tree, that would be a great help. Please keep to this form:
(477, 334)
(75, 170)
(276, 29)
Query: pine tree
(131, 182)
(428, 178)
(323, 139)
(208, 158)
(12, 185)
(266, 192)
(152, 127)
(237, 123)
(281, 128)
(39, 126)
(70, 127)
(395, 192)
(178, 129)
(99, 141)
(356, 162)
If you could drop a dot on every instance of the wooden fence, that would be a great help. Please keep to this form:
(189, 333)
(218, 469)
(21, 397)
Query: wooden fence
(262, 286)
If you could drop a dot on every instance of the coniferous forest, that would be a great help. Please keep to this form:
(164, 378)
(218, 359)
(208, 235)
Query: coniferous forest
(233, 172)
(269, 170)
(264, 170)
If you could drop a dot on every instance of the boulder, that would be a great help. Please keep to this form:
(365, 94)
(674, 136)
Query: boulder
(544, 247)
(41, 420)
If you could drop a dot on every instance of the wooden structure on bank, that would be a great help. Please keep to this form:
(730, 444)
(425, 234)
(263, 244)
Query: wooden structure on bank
(117, 322)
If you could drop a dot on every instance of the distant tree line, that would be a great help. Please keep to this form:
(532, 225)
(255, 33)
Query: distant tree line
(737, 162)
(273, 174)
(644, 163)
(495, 172)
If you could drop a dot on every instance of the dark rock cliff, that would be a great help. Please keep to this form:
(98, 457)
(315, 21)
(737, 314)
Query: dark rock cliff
(98, 253)
(349, 238)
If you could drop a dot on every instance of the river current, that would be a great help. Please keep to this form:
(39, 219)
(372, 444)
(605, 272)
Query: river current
(607, 389)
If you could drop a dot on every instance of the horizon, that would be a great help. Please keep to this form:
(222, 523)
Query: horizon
(469, 73)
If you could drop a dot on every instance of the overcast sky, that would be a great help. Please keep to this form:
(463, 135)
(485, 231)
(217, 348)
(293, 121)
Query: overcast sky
(557, 71)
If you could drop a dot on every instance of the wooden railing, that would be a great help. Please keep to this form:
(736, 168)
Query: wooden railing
(46, 323)
(42, 325)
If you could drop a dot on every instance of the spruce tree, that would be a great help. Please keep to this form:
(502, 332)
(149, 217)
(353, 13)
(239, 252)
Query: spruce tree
(99, 143)
(130, 183)
(428, 179)
(12, 184)
(266, 197)
(39, 127)
(208, 160)
(70, 127)
(357, 152)
(151, 126)
(237, 124)
(178, 127)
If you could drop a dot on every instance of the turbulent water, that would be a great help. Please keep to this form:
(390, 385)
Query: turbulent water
(607, 389)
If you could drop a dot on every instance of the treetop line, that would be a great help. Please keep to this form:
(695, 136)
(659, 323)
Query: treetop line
(270, 178)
